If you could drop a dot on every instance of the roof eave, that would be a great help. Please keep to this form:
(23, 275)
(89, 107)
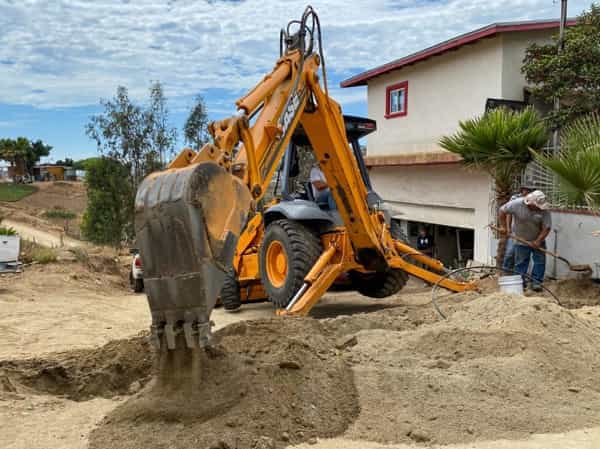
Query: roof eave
(488, 31)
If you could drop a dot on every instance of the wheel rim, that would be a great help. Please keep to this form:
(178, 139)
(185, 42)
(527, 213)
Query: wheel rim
(276, 263)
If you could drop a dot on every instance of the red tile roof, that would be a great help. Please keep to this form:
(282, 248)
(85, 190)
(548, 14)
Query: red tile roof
(452, 44)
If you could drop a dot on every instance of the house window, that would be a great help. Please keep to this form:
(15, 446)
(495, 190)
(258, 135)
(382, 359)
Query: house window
(396, 100)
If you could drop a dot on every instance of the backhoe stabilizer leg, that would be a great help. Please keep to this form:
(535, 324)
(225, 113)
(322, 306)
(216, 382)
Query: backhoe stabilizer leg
(188, 222)
(312, 290)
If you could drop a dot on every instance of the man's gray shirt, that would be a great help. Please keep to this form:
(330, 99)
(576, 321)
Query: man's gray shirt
(527, 223)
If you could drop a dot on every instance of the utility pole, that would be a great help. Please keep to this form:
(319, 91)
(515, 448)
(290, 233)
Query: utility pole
(561, 46)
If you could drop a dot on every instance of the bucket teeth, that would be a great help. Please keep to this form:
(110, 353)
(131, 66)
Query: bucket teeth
(188, 332)
(187, 223)
(170, 335)
(196, 335)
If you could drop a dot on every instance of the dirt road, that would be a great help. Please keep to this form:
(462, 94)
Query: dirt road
(41, 237)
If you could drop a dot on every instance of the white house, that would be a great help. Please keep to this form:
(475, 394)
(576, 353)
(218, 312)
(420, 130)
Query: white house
(418, 99)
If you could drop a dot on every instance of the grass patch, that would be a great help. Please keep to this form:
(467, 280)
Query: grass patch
(43, 255)
(32, 252)
(60, 213)
(15, 192)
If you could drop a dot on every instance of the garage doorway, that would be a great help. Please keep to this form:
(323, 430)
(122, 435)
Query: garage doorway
(452, 245)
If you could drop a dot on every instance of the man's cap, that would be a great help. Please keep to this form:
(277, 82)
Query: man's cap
(537, 199)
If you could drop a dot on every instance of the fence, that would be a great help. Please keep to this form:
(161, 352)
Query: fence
(542, 178)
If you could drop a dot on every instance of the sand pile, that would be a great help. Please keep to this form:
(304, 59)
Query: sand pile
(501, 367)
(114, 369)
(267, 384)
(575, 293)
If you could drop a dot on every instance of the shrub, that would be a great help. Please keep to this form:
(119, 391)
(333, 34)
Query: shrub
(60, 213)
(108, 218)
(43, 255)
(7, 231)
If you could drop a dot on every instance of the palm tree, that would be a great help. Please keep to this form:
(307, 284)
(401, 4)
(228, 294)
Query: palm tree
(577, 165)
(500, 143)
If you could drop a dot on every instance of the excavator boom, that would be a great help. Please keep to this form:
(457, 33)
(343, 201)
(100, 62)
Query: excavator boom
(190, 216)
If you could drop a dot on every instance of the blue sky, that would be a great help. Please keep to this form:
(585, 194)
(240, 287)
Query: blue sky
(59, 57)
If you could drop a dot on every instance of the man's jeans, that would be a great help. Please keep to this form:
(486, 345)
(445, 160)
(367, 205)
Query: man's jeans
(522, 256)
(325, 196)
(508, 264)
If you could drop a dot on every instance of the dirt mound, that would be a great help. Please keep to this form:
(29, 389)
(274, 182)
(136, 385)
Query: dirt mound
(576, 293)
(267, 384)
(108, 371)
(65, 195)
(501, 367)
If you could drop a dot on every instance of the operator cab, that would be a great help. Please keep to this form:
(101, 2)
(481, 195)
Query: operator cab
(297, 198)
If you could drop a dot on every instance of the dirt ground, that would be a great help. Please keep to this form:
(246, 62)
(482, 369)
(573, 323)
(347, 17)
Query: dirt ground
(63, 195)
(76, 371)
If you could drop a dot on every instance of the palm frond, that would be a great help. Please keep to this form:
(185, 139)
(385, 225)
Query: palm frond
(577, 165)
(498, 142)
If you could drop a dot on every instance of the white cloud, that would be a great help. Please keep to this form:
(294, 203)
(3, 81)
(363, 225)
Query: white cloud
(71, 52)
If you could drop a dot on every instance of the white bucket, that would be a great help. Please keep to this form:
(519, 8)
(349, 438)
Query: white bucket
(511, 284)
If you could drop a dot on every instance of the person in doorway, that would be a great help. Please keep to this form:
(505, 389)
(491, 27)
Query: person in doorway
(321, 191)
(531, 222)
(425, 242)
(508, 264)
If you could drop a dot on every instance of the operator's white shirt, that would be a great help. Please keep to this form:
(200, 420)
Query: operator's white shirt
(317, 175)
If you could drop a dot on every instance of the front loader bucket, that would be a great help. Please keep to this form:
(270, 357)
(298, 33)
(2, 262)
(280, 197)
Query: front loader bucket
(187, 222)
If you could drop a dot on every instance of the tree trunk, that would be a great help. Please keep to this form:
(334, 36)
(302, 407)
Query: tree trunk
(502, 197)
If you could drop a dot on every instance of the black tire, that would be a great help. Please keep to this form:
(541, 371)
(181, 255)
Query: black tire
(230, 292)
(382, 285)
(302, 248)
(379, 285)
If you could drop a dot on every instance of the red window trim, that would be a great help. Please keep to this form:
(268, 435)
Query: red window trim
(388, 89)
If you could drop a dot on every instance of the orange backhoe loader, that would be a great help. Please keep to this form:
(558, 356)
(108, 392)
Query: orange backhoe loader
(201, 225)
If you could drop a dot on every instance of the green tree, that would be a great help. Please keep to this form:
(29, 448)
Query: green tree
(499, 142)
(162, 135)
(108, 219)
(577, 165)
(122, 132)
(68, 162)
(23, 153)
(195, 129)
(34, 153)
(14, 150)
(82, 164)
(573, 75)
(138, 137)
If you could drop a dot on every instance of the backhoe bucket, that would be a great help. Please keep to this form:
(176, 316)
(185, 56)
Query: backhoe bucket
(187, 222)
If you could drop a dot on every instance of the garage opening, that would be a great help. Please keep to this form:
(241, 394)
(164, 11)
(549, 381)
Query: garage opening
(452, 245)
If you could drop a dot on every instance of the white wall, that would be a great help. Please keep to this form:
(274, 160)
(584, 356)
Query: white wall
(442, 194)
(513, 53)
(441, 91)
(575, 241)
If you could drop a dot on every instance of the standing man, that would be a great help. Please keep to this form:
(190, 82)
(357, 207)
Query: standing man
(508, 264)
(531, 222)
(425, 241)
